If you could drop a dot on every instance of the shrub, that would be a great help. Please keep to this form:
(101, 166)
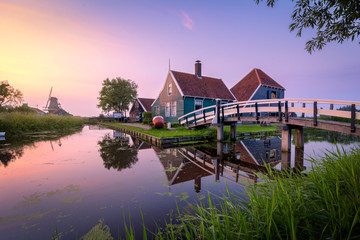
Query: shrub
(147, 117)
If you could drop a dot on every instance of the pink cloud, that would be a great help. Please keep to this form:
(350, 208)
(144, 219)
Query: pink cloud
(187, 21)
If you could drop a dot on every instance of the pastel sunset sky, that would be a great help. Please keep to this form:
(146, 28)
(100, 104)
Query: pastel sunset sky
(73, 46)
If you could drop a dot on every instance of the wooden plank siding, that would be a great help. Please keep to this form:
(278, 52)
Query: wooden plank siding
(163, 98)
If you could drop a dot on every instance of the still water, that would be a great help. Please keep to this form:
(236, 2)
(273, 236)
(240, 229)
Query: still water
(72, 183)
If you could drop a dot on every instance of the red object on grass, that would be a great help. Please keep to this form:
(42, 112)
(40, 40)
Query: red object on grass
(158, 122)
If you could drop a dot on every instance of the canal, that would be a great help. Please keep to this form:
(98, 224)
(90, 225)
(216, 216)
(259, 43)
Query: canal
(71, 184)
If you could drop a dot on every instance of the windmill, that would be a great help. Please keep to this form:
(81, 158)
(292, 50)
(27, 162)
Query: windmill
(46, 109)
(53, 106)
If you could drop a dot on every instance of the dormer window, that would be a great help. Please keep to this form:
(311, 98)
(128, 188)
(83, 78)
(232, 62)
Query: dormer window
(169, 89)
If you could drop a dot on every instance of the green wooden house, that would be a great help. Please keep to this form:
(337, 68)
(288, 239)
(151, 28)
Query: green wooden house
(184, 92)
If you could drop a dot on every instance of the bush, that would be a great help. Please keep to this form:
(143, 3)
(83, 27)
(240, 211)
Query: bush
(175, 125)
(147, 117)
(17, 123)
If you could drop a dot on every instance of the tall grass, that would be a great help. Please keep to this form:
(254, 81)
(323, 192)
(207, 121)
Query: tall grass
(19, 123)
(324, 203)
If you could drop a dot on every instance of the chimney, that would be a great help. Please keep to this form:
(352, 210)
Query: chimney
(198, 69)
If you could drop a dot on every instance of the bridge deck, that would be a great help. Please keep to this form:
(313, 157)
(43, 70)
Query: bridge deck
(231, 113)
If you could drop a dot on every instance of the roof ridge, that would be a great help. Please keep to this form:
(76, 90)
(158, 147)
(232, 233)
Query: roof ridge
(257, 75)
(196, 76)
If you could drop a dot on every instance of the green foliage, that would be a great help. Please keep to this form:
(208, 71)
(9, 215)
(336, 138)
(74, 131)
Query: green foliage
(175, 125)
(323, 203)
(99, 231)
(334, 21)
(147, 117)
(117, 94)
(19, 123)
(24, 109)
(9, 95)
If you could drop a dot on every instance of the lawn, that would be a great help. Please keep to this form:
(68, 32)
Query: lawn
(183, 132)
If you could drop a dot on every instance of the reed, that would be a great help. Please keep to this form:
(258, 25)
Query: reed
(16, 123)
(324, 203)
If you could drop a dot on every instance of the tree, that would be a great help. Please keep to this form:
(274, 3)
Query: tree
(9, 95)
(117, 94)
(334, 20)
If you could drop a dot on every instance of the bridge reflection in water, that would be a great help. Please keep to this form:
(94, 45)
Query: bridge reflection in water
(237, 162)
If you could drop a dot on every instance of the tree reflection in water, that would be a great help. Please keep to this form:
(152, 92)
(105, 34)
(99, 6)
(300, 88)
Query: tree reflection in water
(117, 152)
(10, 155)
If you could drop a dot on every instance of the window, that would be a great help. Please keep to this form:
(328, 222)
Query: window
(173, 109)
(157, 110)
(273, 94)
(167, 109)
(169, 89)
(198, 105)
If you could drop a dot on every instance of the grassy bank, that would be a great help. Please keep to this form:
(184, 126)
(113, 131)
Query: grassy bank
(183, 132)
(321, 204)
(21, 123)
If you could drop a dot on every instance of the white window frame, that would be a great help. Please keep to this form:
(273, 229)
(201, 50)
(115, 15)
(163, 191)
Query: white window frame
(169, 89)
(167, 109)
(198, 102)
(173, 109)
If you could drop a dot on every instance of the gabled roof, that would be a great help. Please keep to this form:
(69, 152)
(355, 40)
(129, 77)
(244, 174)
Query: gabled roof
(37, 110)
(207, 87)
(246, 87)
(146, 103)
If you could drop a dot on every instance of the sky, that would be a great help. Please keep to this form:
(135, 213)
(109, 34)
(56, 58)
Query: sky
(72, 46)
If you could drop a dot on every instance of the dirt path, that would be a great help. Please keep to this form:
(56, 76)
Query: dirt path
(145, 127)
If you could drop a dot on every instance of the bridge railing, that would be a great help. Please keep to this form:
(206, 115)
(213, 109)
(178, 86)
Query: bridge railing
(281, 108)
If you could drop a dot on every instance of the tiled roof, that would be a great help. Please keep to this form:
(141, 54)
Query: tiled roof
(206, 87)
(36, 109)
(245, 88)
(146, 103)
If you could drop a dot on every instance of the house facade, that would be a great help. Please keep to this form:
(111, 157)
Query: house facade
(257, 85)
(140, 105)
(184, 92)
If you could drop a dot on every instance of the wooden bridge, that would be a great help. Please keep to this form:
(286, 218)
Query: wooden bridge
(292, 113)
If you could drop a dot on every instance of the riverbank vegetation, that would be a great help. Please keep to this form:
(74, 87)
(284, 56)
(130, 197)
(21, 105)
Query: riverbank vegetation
(323, 203)
(18, 123)
(184, 132)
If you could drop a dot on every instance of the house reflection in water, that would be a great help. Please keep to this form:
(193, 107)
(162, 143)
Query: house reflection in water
(236, 162)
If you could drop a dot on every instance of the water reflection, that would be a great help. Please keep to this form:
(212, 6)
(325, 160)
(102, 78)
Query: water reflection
(10, 155)
(117, 152)
(319, 135)
(13, 147)
(235, 162)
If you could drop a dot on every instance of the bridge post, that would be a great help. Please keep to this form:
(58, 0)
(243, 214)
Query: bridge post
(220, 126)
(299, 159)
(285, 161)
(303, 114)
(238, 113)
(299, 137)
(286, 138)
(353, 116)
(220, 132)
(315, 113)
(286, 112)
(218, 110)
(331, 108)
(233, 132)
(256, 112)
(279, 107)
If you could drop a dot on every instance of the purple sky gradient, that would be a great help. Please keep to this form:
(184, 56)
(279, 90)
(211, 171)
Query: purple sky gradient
(73, 46)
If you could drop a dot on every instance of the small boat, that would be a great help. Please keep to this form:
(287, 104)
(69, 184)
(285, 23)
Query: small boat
(2, 134)
(158, 122)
